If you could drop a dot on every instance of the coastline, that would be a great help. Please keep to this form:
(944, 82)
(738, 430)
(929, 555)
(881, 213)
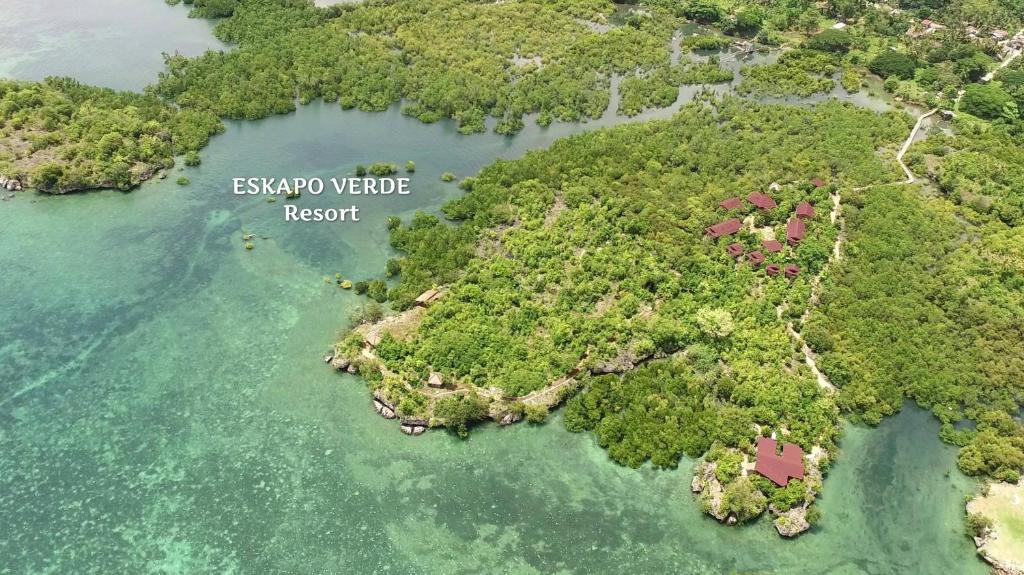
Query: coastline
(1000, 541)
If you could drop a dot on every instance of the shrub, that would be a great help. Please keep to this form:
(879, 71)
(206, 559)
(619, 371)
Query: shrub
(838, 41)
(378, 290)
(536, 413)
(976, 524)
(890, 64)
(988, 101)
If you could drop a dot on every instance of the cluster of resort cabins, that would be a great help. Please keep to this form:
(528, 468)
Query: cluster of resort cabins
(795, 231)
(769, 463)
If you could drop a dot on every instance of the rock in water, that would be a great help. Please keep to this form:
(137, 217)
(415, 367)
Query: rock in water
(791, 523)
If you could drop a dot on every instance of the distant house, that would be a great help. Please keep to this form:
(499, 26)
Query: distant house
(773, 269)
(795, 231)
(435, 380)
(779, 468)
(735, 250)
(426, 298)
(772, 246)
(731, 203)
(999, 35)
(755, 258)
(726, 228)
(762, 201)
(818, 182)
(804, 210)
(791, 271)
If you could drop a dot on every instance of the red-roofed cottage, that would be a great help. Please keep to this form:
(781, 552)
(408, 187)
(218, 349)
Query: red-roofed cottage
(773, 269)
(818, 182)
(755, 258)
(795, 231)
(804, 210)
(735, 250)
(791, 271)
(762, 201)
(779, 468)
(728, 227)
(731, 203)
(772, 246)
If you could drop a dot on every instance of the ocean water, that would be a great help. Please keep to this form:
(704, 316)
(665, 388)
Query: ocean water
(113, 43)
(164, 407)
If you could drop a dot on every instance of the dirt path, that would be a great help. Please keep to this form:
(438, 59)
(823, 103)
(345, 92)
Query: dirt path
(1006, 62)
(836, 217)
(810, 358)
(910, 141)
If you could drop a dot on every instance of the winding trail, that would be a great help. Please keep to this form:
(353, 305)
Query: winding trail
(910, 141)
(810, 358)
(836, 217)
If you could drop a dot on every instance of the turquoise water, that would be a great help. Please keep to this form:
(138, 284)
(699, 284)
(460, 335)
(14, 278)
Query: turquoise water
(114, 43)
(164, 407)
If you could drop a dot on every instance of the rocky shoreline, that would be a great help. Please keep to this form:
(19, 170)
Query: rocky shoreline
(789, 523)
(9, 185)
(357, 355)
(994, 543)
(141, 174)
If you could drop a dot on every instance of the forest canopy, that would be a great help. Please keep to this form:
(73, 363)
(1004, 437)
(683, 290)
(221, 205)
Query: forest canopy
(60, 136)
(592, 257)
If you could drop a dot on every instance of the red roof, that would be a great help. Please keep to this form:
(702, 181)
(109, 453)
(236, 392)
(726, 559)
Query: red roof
(762, 201)
(779, 468)
(725, 228)
(773, 269)
(772, 246)
(818, 182)
(731, 203)
(804, 210)
(791, 271)
(795, 230)
(735, 250)
(755, 258)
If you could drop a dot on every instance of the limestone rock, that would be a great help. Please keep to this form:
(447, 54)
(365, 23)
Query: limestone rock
(696, 486)
(339, 363)
(706, 483)
(413, 429)
(10, 184)
(791, 523)
(626, 361)
(384, 409)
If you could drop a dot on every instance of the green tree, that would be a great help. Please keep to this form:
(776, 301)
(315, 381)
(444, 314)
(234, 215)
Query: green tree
(743, 499)
(891, 64)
